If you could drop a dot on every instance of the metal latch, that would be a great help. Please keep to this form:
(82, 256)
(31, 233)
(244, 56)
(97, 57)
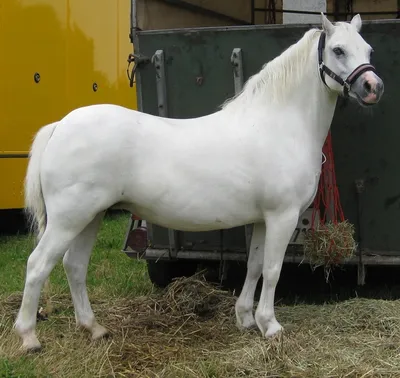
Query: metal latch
(137, 59)
(237, 63)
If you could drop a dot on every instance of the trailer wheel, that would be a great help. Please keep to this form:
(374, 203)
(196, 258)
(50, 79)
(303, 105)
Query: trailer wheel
(162, 272)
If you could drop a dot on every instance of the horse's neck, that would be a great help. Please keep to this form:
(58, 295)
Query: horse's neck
(304, 93)
(315, 102)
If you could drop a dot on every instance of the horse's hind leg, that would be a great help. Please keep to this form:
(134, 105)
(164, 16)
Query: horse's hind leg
(51, 247)
(76, 262)
(244, 304)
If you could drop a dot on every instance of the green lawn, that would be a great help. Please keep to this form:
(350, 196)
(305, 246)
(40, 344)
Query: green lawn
(110, 271)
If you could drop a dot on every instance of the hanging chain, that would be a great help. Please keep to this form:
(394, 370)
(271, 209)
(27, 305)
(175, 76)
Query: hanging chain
(137, 59)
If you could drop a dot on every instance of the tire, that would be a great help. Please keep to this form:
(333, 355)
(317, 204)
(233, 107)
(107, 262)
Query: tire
(162, 272)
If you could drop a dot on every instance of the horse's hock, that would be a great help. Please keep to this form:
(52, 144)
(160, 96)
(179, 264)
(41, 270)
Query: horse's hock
(364, 142)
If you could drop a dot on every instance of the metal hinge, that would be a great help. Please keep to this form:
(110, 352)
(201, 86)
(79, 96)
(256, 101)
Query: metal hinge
(158, 59)
(137, 59)
(237, 63)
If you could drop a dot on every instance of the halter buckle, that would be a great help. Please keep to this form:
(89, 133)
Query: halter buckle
(347, 86)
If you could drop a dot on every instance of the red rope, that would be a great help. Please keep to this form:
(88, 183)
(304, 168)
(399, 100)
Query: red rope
(328, 193)
(327, 200)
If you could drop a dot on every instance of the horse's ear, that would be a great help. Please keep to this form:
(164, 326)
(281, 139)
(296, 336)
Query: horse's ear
(327, 26)
(356, 22)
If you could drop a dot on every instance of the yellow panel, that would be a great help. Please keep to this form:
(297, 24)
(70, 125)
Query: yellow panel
(71, 44)
(33, 42)
(99, 46)
(11, 188)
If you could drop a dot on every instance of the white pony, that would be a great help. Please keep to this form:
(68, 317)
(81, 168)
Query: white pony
(257, 160)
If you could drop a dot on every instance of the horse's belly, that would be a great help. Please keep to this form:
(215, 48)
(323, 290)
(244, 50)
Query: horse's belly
(194, 223)
(210, 211)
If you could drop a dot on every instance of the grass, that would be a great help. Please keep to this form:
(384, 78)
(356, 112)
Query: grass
(187, 330)
(110, 271)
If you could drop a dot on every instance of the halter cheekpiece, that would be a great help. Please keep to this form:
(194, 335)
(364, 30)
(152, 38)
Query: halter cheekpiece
(325, 70)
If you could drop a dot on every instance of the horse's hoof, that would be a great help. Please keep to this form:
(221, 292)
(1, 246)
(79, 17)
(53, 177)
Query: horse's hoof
(100, 332)
(35, 349)
(30, 343)
(244, 318)
(274, 330)
(247, 324)
(30, 348)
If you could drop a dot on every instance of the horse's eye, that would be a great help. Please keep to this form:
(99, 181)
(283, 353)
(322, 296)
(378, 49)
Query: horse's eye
(338, 51)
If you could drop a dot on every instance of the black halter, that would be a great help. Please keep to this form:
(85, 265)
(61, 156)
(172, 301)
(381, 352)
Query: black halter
(350, 79)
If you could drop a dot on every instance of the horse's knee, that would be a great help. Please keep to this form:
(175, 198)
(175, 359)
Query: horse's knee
(271, 276)
(70, 263)
(254, 272)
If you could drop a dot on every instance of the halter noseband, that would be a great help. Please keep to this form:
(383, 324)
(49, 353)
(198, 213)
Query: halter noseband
(346, 84)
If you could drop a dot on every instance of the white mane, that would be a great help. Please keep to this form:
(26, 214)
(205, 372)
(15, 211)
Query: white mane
(278, 76)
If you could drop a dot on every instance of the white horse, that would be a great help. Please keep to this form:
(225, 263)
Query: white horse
(257, 160)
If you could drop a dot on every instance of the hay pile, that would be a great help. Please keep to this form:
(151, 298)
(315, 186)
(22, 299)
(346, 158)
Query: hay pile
(189, 331)
(197, 298)
(330, 244)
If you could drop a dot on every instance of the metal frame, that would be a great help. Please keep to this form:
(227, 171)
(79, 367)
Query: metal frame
(336, 13)
(295, 258)
(211, 29)
(158, 61)
(162, 103)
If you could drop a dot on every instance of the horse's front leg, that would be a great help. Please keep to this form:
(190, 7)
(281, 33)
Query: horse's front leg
(279, 229)
(244, 304)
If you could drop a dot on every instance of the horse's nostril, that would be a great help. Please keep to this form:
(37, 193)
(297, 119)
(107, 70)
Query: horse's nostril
(367, 86)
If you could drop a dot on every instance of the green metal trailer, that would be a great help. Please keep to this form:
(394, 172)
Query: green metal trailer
(186, 73)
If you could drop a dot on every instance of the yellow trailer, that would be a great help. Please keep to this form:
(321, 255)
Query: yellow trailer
(56, 55)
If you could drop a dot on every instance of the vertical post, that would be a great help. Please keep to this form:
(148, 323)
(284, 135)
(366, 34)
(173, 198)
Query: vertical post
(161, 82)
(135, 50)
(162, 104)
(237, 63)
(238, 80)
(132, 35)
(135, 47)
(361, 271)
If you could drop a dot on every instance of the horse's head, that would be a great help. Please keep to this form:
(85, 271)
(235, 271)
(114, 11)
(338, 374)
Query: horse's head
(344, 59)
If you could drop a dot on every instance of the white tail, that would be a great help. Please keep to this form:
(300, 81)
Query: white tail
(34, 201)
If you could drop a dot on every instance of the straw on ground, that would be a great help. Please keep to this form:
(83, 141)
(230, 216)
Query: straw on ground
(189, 329)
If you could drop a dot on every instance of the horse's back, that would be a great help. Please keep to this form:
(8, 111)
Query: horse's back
(167, 169)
